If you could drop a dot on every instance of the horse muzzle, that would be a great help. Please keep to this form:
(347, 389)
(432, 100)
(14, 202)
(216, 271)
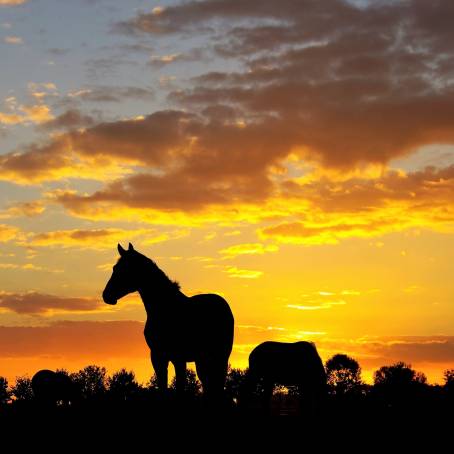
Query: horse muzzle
(109, 299)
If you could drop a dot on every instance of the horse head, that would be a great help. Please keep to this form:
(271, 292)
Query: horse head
(124, 278)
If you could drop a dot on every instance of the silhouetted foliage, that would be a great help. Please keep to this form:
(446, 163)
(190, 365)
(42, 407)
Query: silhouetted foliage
(192, 387)
(5, 393)
(123, 385)
(398, 375)
(22, 390)
(449, 383)
(343, 375)
(90, 381)
(400, 386)
(235, 382)
(449, 378)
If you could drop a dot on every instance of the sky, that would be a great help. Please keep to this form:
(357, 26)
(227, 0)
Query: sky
(295, 157)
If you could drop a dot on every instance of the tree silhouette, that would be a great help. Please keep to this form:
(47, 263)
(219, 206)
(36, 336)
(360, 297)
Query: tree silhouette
(399, 385)
(449, 378)
(22, 390)
(343, 375)
(399, 374)
(5, 393)
(123, 385)
(91, 381)
(449, 383)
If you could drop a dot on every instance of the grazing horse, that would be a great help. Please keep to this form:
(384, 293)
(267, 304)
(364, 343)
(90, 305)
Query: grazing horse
(289, 364)
(179, 329)
(51, 388)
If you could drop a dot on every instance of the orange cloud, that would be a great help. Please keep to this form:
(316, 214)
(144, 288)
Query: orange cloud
(12, 2)
(13, 40)
(248, 249)
(28, 209)
(39, 113)
(8, 232)
(233, 271)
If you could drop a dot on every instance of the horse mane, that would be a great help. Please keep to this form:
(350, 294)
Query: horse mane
(161, 275)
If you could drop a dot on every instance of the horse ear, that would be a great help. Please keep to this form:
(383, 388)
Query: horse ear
(120, 249)
(130, 247)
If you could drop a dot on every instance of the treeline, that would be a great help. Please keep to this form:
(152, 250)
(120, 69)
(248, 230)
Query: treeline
(395, 388)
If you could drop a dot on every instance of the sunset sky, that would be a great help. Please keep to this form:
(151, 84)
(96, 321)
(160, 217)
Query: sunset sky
(294, 156)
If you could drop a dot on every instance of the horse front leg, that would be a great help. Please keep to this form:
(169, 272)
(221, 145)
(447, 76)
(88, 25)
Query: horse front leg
(160, 366)
(180, 378)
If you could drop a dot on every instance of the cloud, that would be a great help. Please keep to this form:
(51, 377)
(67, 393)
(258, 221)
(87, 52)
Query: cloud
(72, 118)
(28, 209)
(159, 61)
(317, 305)
(13, 40)
(235, 272)
(104, 93)
(248, 249)
(43, 89)
(12, 2)
(28, 267)
(94, 238)
(343, 81)
(301, 132)
(8, 233)
(41, 304)
(37, 114)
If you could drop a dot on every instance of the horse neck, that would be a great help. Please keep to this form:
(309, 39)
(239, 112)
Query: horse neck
(160, 299)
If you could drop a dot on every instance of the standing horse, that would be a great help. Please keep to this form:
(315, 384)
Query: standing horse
(179, 329)
(289, 364)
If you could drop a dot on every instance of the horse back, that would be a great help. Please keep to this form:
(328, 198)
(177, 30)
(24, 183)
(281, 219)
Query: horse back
(287, 362)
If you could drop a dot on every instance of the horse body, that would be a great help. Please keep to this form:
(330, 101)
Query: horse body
(179, 329)
(51, 387)
(197, 328)
(289, 364)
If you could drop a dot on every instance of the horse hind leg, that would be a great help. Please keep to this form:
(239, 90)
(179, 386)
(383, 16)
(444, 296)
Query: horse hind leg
(212, 375)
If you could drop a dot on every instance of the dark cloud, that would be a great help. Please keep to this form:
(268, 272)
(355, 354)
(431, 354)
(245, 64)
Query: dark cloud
(72, 118)
(353, 84)
(39, 303)
(58, 51)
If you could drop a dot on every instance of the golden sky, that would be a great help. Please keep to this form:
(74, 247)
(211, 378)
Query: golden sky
(296, 157)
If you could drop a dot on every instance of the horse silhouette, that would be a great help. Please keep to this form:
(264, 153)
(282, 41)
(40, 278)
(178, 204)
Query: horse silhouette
(289, 364)
(50, 388)
(179, 329)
